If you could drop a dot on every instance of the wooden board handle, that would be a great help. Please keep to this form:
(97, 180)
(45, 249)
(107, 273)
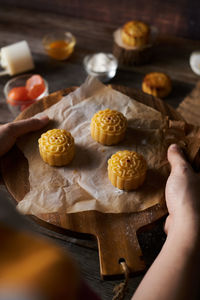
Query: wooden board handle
(117, 239)
(111, 256)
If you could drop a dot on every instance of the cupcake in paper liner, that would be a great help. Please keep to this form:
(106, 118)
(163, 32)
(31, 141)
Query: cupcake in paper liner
(127, 170)
(108, 127)
(134, 43)
(56, 147)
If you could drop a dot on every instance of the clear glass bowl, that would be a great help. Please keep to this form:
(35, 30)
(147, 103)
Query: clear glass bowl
(18, 106)
(59, 45)
(101, 65)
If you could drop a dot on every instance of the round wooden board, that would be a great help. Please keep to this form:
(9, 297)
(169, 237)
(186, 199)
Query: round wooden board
(116, 233)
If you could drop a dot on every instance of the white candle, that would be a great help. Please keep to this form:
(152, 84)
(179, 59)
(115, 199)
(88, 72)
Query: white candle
(16, 58)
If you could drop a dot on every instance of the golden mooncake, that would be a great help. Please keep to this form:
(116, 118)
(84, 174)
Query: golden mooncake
(157, 84)
(56, 147)
(127, 170)
(108, 127)
(135, 34)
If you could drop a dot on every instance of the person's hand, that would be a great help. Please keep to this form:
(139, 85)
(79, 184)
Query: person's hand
(182, 195)
(11, 131)
(173, 274)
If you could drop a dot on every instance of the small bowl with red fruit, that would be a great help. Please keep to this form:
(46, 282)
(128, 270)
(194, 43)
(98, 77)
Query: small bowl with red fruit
(24, 90)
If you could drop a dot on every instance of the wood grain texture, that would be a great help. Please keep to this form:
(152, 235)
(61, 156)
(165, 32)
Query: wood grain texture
(171, 54)
(172, 17)
(113, 231)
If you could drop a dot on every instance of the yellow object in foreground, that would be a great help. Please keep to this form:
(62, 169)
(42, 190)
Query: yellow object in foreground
(135, 34)
(127, 170)
(108, 127)
(57, 147)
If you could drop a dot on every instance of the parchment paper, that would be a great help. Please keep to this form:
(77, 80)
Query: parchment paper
(83, 184)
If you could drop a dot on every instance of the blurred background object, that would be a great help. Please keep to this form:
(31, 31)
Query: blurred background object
(179, 17)
(59, 45)
(16, 58)
(101, 65)
(22, 91)
(195, 62)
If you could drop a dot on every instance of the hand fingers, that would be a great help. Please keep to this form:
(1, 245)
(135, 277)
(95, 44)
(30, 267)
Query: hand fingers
(19, 128)
(177, 159)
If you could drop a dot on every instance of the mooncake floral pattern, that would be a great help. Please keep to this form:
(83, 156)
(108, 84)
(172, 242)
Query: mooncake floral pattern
(56, 141)
(127, 164)
(110, 121)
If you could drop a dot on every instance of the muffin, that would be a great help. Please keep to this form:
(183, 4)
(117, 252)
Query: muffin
(135, 34)
(108, 127)
(127, 170)
(56, 147)
(157, 84)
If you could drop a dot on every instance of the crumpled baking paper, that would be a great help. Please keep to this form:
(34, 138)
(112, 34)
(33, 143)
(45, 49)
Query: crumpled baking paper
(84, 185)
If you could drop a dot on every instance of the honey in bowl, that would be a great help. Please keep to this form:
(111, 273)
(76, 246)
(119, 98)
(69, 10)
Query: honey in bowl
(59, 46)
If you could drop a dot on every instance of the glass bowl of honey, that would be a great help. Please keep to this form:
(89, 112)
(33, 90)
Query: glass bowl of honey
(59, 45)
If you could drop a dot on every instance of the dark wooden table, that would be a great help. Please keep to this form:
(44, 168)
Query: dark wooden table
(172, 57)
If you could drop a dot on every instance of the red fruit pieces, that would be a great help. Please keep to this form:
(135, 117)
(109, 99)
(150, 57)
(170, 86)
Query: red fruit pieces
(17, 94)
(35, 86)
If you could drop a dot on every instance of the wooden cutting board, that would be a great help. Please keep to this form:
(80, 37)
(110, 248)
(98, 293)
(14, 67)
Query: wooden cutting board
(116, 233)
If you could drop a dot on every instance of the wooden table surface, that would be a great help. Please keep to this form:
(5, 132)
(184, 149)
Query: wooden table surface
(172, 57)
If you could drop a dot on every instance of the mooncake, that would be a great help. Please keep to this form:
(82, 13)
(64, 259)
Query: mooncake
(56, 147)
(157, 84)
(127, 170)
(108, 127)
(135, 34)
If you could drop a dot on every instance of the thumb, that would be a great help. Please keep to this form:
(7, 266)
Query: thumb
(177, 160)
(19, 128)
